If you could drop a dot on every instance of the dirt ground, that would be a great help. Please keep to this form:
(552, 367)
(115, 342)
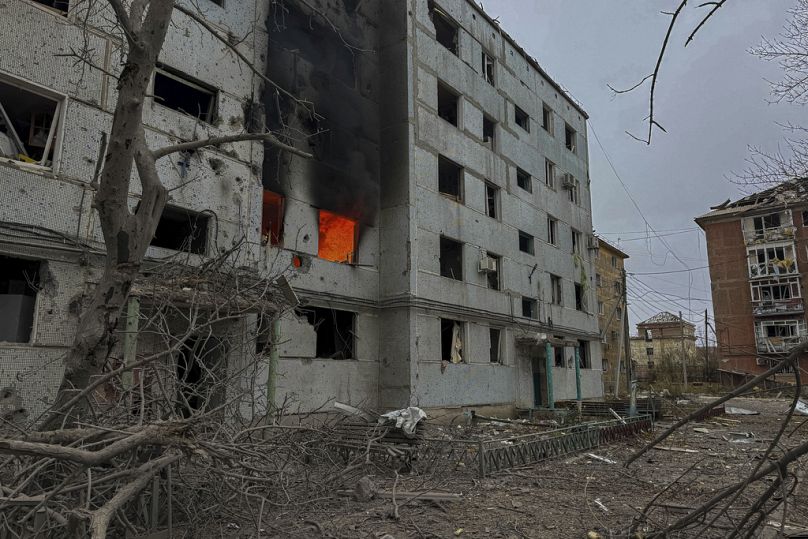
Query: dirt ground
(572, 496)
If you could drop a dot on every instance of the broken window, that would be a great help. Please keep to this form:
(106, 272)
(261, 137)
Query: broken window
(491, 200)
(59, 5)
(526, 243)
(271, 218)
(451, 258)
(445, 29)
(579, 297)
(583, 354)
(523, 180)
(19, 285)
(199, 367)
(569, 137)
(576, 242)
(489, 130)
(492, 270)
(556, 292)
(767, 291)
(337, 238)
(448, 102)
(774, 260)
(182, 230)
(547, 119)
(450, 178)
(451, 341)
(549, 173)
(573, 189)
(552, 230)
(649, 351)
(29, 124)
(530, 308)
(558, 356)
(766, 222)
(179, 92)
(488, 67)
(335, 330)
(495, 350)
(521, 118)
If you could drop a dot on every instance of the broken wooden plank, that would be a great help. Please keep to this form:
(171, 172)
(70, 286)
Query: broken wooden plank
(677, 449)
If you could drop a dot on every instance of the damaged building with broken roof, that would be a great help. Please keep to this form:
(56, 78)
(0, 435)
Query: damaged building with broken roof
(440, 239)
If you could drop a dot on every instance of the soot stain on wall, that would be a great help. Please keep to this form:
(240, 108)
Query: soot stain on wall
(313, 62)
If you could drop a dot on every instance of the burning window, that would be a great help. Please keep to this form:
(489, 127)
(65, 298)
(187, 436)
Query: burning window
(448, 102)
(526, 243)
(489, 130)
(530, 308)
(495, 350)
(177, 91)
(451, 340)
(450, 178)
(272, 218)
(58, 5)
(335, 331)
(556, 292)
(445, 28)
(337, 240)
(19, 285)
(182, 230)
(488, 67)
(29, 124)
(491, 200)
(523, 180)
(569, 137)
(521, 118)
(547, 119)
(451, 258)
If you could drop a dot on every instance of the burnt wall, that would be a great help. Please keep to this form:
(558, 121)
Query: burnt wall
(336, 70)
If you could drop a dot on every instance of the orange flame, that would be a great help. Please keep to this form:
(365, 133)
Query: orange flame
(337, 237)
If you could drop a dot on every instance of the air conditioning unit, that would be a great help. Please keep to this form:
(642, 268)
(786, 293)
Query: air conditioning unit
(567, 181)
(488, 264)
(592, 242)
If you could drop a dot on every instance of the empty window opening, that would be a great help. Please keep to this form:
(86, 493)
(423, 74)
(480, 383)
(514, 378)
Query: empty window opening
(556, 292)
(495, 351)
(552, 231)
(530, 308)
(521, 118)
(19, 285)
(451, 341)
(488, 67)
(649, 351)
(182, 230)
(573, 188)
(335, 330)
(451, 258)
(272, 218)
(491, 265)
(526, 243)
(766, 222)
(583, 354)
(445, 29)
(448, 102)
(523, 180)
(28, 125)
(491, 200)
(547, 119)
(558, 356)
(576, 242)
(177, 91)
(777, 260)
(489, 131)
(579, 297)
(804, 217)
(769, 291)
(263, 335)
(450, 178)
(549, 173)
(58, 5)
(199, 369)
(337, 238)
(569, 138)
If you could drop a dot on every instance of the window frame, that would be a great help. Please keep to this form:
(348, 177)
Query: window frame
(549, 174)
(521, 118)
(441, 266)
(552, 230)
(522, 174)
(547, 118)
(531, 242)
(491, 77)
(570, 138)
(534, 308)
(556, 290)
(188, 80)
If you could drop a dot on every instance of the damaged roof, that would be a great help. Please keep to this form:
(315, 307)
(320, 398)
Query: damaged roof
(788, 193)
(664, 318)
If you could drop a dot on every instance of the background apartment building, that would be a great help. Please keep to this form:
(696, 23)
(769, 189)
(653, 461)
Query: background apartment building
(610, 284)
(756, 249)
(665, 338)
(440, 239)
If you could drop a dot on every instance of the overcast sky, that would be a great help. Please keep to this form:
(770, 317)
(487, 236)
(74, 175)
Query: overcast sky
(711, 98)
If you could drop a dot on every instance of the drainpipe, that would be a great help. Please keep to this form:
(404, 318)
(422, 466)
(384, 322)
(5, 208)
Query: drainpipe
(548, 367)
(272, 367)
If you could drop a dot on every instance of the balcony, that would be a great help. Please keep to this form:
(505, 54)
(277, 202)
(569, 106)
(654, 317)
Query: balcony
(776, 345)
(778, 336)
(772, 308)
(765, 235)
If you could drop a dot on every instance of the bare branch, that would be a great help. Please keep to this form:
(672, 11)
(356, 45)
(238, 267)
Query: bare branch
(215, 141)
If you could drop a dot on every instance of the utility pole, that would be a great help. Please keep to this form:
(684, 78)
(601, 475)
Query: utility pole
(706, 350)
(627, 337)
(684, 363)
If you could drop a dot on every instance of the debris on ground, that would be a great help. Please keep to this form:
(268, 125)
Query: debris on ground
(405, 419)
(739, 437)
(602, 459)
(734, 410)
(801, 408)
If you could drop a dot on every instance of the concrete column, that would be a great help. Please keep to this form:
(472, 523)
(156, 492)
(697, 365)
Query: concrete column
(548, 367)
(578, 373)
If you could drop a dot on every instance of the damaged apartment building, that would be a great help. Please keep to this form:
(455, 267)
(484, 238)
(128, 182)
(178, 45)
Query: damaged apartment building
(439, 240)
